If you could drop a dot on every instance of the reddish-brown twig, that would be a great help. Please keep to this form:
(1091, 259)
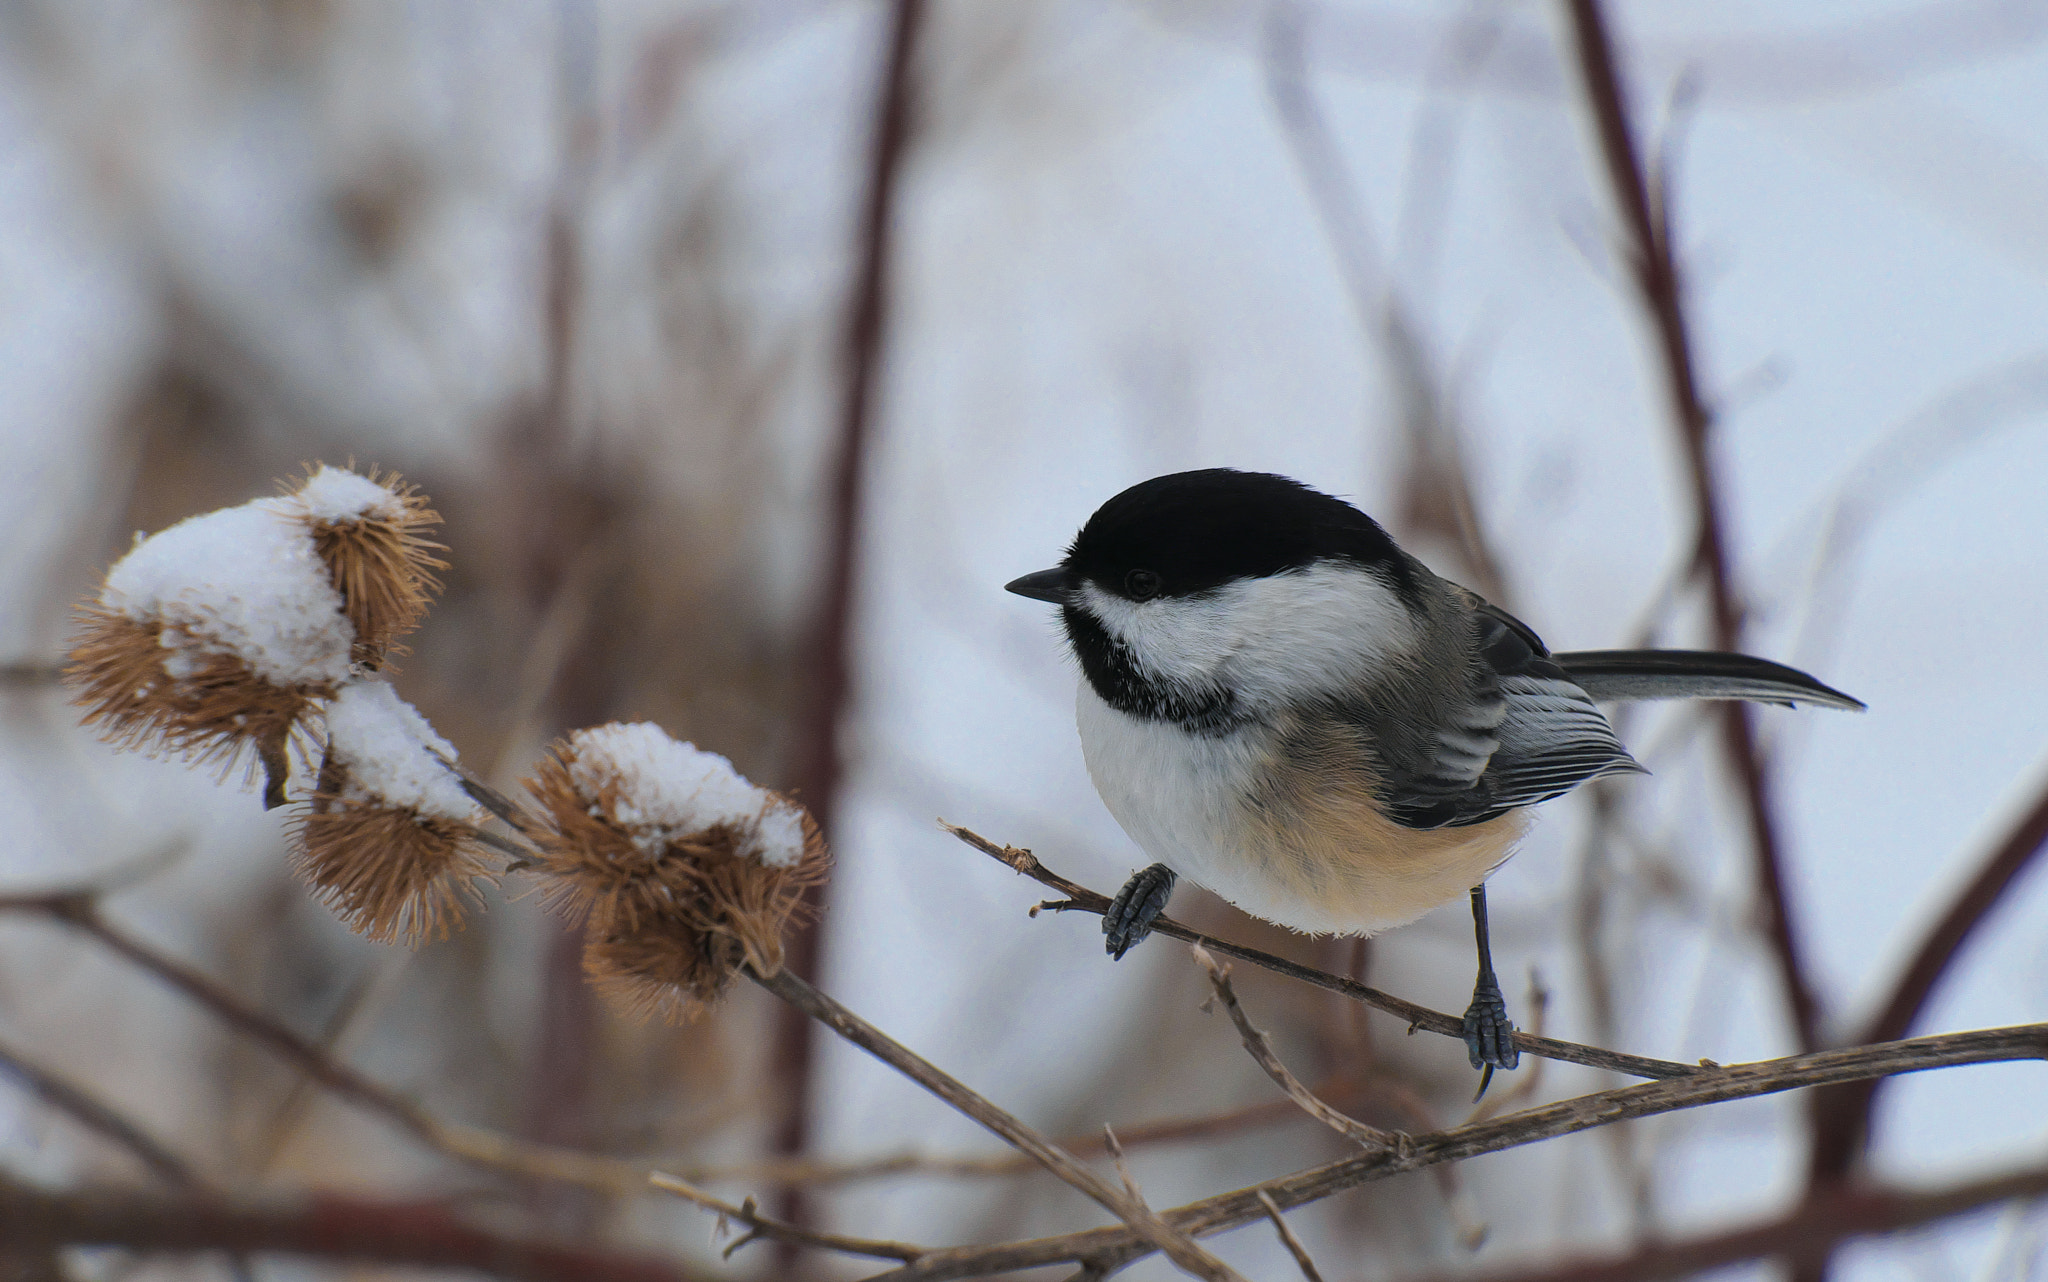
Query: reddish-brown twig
(414, 1234)
(1657, 281)
(829, 645)
(1841, 1116)
(1818, 1224)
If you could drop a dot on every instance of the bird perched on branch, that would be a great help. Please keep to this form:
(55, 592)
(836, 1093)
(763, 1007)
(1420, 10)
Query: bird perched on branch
(1283, 706)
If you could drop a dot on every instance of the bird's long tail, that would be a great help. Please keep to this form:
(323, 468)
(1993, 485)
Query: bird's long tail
(1695, 674)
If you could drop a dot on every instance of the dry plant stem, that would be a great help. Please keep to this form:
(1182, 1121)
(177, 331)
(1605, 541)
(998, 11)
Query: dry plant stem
(1142, 1219)
(762, 1226)
(1820, 1223)
(1081, 899)
(1287, 1239)
(414, 1234)
(1841, 1117)
(1262, 1052)
(818, 1173)
(474, 1145)
(830, 644)
(500, 805)
(1115, 1247)
(96, 1115)
(1656, 276)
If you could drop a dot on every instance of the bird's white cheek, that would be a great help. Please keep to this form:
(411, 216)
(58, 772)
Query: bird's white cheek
(1271, 641)
(1172, 639)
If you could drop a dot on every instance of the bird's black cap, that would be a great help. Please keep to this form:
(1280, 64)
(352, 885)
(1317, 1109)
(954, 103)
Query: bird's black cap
(1199, 530)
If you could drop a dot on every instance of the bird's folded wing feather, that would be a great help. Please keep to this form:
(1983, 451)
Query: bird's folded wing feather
(1526, 734)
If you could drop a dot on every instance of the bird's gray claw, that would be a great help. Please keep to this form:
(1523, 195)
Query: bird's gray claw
(1135, 908)
(1489, 1036)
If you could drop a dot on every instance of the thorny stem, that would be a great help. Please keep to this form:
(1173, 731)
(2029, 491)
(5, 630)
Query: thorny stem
(1081, 899)
(1657, 281)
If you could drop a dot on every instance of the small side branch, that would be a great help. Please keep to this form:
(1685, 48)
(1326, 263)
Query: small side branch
(1262, 1052)
(760, 1226)
(1288, 1240)
(96, 1115)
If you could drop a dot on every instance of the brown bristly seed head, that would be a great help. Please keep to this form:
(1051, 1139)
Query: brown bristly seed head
(116, 673)
(667, 929)
(383, 565)
(393, 875)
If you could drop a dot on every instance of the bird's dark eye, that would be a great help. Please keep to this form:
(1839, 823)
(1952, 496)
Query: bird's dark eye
(1142, 585)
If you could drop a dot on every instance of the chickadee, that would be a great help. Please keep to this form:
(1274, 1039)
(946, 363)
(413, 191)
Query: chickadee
(1281, 705)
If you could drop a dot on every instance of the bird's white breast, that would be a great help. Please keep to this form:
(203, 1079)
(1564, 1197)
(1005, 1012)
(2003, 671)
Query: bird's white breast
(1299, 842)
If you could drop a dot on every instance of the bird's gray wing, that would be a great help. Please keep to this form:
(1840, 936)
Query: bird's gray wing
(1540, 733)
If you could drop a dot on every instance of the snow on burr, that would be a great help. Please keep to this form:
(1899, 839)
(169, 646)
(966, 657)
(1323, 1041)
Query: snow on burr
(333, 495)
(245, 581)
(392, 754)
(662, 789)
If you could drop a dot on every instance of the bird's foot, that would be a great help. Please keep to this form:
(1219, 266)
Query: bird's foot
(1489, 1036)
(1135, 908)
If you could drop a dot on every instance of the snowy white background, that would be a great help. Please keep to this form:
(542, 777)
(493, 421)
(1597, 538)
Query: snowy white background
(335, 219)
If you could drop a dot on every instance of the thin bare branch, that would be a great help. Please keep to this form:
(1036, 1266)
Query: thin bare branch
(1657, 282)
(762, 1226)
(807, 1171)
(1143, 1221)
(100, 1117)
(1081, 899)
(1287, 1239)
(1113, 1248)
(1262, 1052)
(474, 1145)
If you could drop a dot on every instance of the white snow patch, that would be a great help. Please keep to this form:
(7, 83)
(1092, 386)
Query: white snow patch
(244, 581)
(334, 495)
(392, 754)
(665, 789)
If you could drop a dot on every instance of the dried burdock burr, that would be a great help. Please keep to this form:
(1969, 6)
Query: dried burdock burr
(225, 631)
(389, 837)
(217, 634)
(681, 870)
(371, 533)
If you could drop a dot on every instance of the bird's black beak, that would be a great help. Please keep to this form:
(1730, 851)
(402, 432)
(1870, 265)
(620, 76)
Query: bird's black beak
(1047, 585)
